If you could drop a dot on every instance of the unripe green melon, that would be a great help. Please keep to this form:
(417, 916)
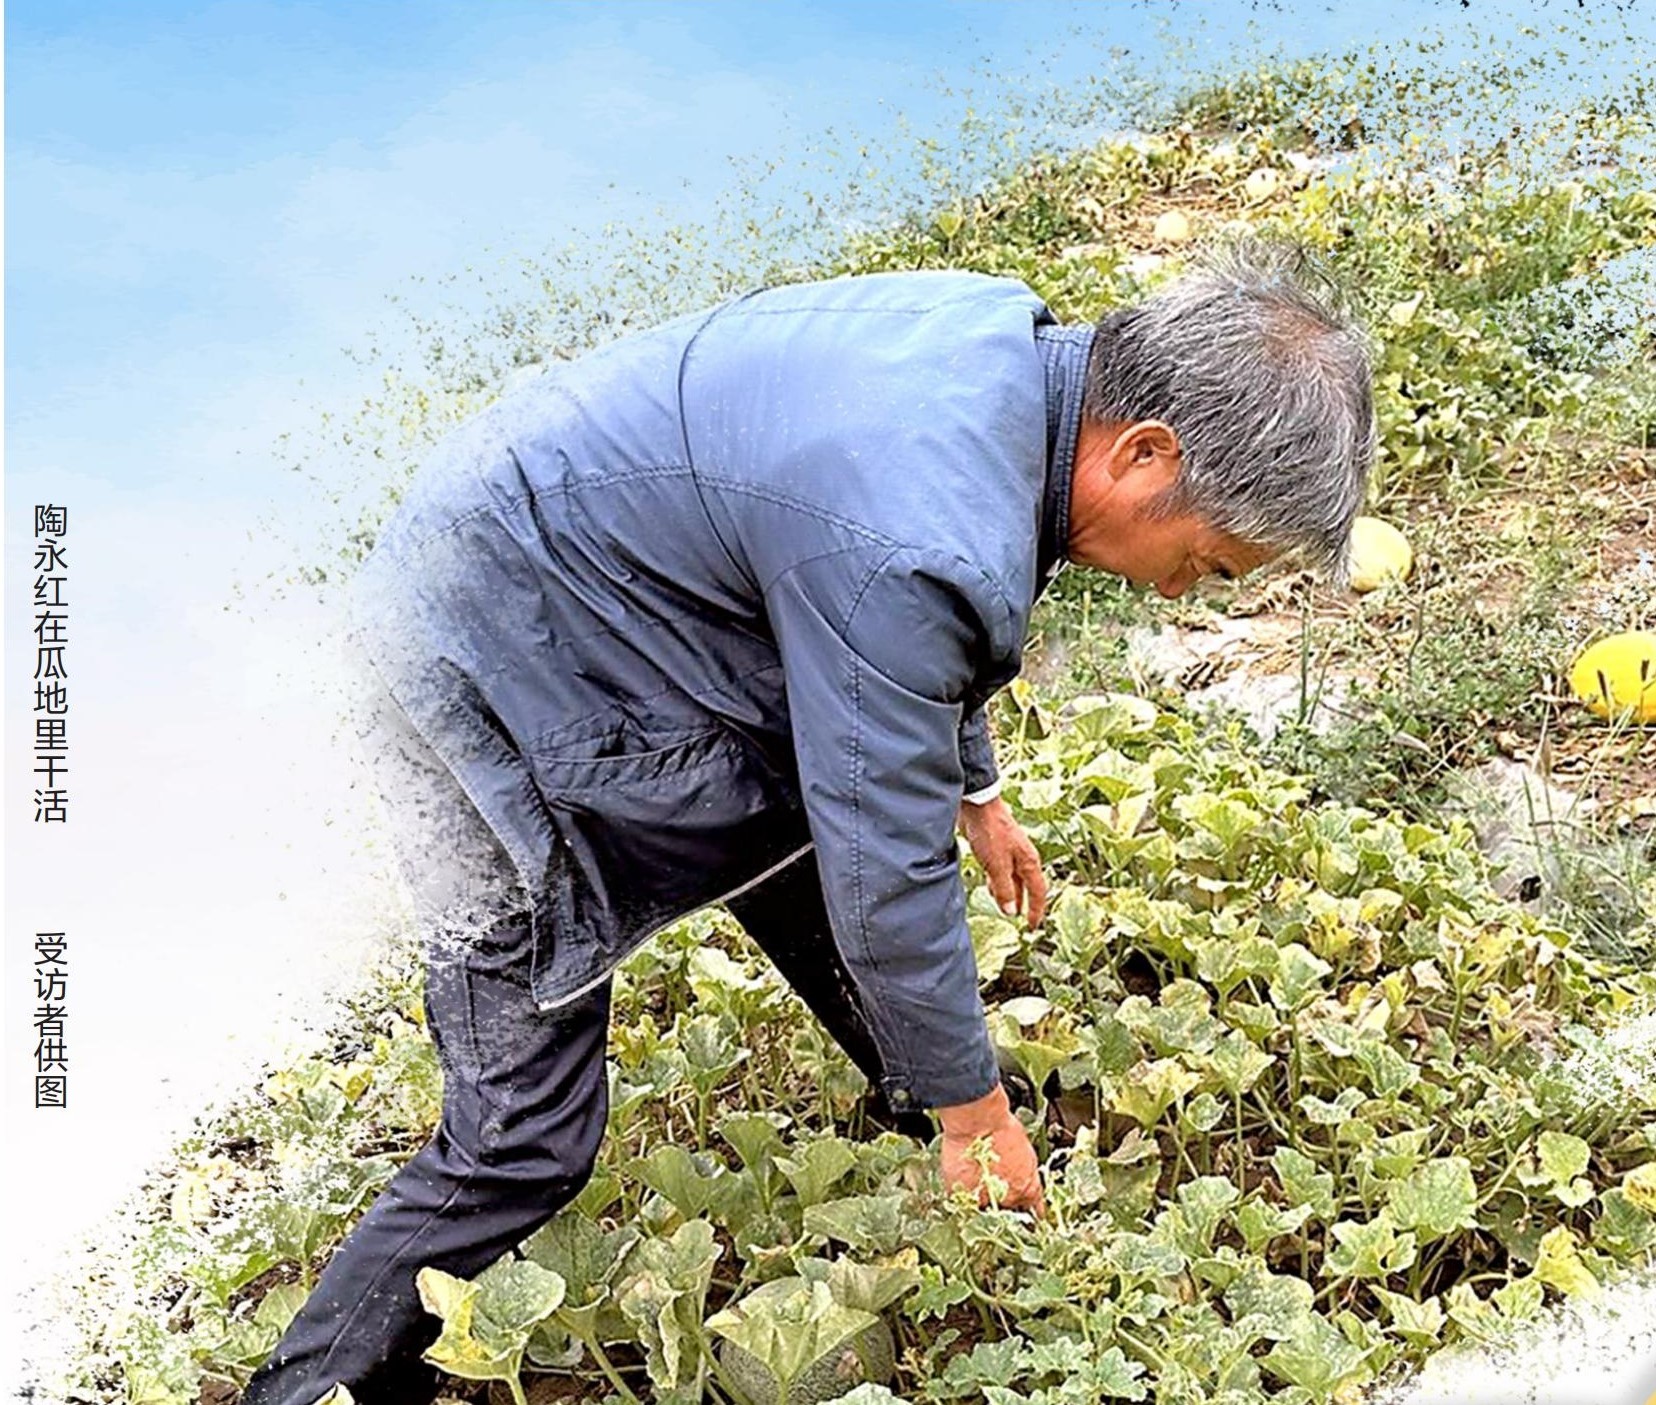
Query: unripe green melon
(871, 1355)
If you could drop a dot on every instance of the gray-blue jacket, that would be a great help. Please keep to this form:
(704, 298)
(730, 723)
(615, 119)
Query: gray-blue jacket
(680, 609)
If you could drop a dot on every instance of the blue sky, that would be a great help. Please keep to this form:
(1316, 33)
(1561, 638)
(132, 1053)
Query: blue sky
(204, 205)
(206, 195)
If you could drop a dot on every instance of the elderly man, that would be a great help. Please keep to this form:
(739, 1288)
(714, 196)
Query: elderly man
(711, 615)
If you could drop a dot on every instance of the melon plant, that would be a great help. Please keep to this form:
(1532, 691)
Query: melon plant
(789, 1342)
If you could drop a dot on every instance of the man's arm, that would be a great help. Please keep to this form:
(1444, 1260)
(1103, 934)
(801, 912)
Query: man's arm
(878, 647)
(1010, 861)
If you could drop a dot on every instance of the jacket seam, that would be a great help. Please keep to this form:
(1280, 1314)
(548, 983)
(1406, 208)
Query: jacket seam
(736, 485)
(534, 743)
(569, 485)
(858, 881)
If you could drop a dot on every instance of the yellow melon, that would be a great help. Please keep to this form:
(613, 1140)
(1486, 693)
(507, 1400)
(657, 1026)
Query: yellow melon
(1617, 676)
(1172, 227)
(1379, 553)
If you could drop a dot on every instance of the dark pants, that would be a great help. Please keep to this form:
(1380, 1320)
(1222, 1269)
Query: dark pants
(524, 1090)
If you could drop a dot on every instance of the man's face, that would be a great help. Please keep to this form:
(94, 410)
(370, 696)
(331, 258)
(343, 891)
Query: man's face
(1174, 553)
(1118, 527)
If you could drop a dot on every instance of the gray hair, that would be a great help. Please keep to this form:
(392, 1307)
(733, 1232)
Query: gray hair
(1252, 359)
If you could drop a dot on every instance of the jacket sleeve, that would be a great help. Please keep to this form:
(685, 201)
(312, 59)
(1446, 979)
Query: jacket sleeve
(977, 756)
(877, 650)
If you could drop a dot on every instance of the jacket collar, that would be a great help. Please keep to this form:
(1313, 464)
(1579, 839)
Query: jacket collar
(1064, 352)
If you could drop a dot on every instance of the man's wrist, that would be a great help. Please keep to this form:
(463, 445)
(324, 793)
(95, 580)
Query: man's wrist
(978, 1118)
(984, 796)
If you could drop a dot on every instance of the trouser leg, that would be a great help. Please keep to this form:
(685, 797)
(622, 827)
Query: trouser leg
(524, 1106)
(788, 919)
(523, 1114)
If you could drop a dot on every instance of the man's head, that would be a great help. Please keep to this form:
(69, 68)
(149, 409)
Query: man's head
(1225, 420)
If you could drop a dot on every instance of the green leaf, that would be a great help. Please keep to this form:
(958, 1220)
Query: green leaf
(671, 1171)
(873, 1287)
(1316, 1358)
(1260, 1223)
(756, 1137)
(1111, 1045)
(1303, 1183)
(1560, 1266)
(935, 1294)
(987, 1365)
(876, 1224)
(1436, 1199)
(1298, 977)
(817, 1167)
(1418, 1323)
(1266, 1304)
(279, 1306)
(1369, 1250)
(789, 1324)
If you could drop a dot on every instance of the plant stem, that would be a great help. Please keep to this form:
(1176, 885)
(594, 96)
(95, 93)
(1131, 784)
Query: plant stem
(607, 1366)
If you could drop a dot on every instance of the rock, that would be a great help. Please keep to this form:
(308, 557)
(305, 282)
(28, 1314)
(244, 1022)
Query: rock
(1191, 658)
(1160, 655)
(1266, 703)
(1525, 825)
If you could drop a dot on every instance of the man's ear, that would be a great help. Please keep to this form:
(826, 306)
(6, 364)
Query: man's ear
(1144, 444)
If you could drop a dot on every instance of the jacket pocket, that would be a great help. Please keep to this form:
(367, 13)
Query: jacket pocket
(654, 829)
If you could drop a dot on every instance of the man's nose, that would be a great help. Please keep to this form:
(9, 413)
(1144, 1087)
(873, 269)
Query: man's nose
(1173, 586)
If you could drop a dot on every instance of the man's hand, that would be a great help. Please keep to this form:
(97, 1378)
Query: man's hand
(1009, 860)
(1014, 1162)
